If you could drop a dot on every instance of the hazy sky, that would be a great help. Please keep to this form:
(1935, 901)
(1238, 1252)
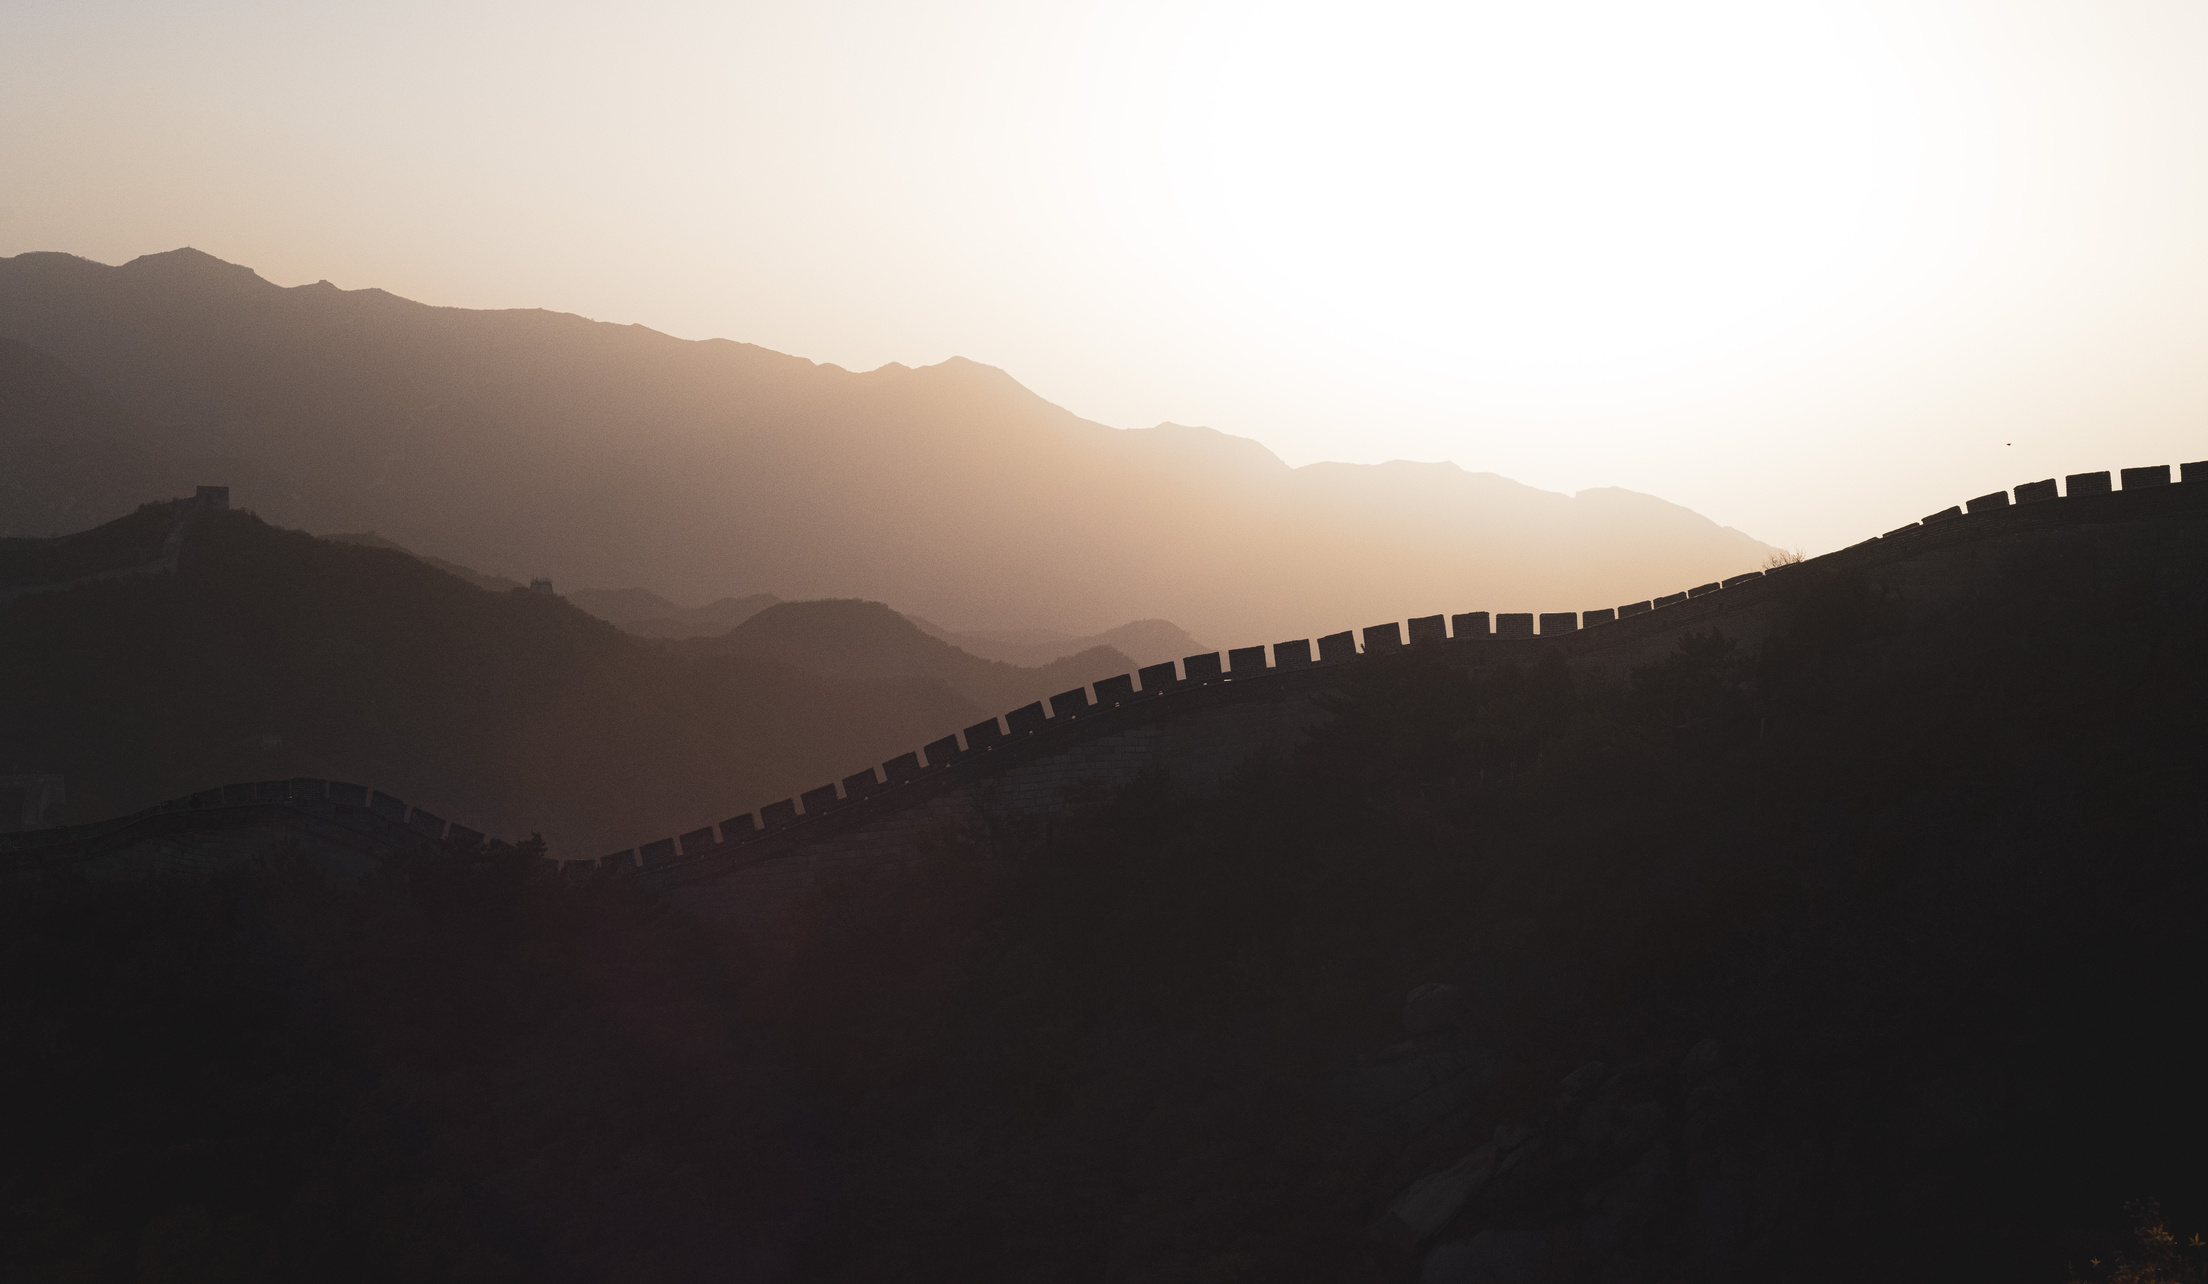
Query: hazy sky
(1808, 268)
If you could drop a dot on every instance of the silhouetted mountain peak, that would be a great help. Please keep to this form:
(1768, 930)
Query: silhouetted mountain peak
(858, 639)
(835, 627)
(966, 377)
(188, 264)
(1213, 447)
(962, 373)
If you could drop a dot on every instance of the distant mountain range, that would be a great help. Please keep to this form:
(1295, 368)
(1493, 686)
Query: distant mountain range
(268, 654)
(1143, 641)
(537, 443)
(866, 641)
(648, 615)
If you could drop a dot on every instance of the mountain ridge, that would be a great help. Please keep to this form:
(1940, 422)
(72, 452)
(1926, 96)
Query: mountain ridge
(1141, 641)
(851, 638)
(268, 653)
(608, 454)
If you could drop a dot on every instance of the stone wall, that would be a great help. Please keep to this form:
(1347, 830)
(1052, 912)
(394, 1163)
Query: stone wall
(1197, 720)
(1201, 720)
(747, 886)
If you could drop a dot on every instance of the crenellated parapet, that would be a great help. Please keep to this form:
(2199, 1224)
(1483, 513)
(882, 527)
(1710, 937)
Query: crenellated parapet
(1621, 635)
(1203, 713)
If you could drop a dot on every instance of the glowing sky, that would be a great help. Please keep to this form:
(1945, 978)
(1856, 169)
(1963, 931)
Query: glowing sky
(1812, 269)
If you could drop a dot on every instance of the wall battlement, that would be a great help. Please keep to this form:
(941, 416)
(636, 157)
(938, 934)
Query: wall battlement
(1214, 707)
(1201, 683)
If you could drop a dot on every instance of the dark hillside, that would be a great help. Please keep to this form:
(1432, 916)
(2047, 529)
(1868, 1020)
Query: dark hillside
(134, 540)
(1874, 954)
(623, 606)
(1888, 942)
(491, 583)
(271, 654)
(456, 1071)
(867, 640)
(634, 610)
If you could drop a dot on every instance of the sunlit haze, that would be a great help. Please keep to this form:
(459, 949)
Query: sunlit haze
(1810, 269)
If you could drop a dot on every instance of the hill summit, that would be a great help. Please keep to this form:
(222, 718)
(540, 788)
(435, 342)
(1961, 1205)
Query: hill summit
(262, 653)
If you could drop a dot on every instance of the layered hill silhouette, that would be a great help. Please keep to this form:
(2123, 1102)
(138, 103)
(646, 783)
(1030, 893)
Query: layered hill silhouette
(639, 611)
(648, 615)
(1143, 641)
(270, 653)
(544, 443)
(866, 641)
(1863, 953)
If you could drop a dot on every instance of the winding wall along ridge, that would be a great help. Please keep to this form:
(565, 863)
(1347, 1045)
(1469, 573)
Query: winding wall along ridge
(172, 547)
(1202, 683)
(1246, 699)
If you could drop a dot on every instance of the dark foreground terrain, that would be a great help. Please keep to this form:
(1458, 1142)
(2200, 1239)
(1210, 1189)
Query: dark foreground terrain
(1877, 954)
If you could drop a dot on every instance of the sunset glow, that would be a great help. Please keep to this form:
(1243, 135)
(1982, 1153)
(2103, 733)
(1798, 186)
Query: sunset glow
(1526, 199)
(841, 641)
(1729, 253)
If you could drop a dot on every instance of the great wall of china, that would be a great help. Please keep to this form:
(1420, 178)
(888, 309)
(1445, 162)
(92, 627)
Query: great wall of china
(1197, 720)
